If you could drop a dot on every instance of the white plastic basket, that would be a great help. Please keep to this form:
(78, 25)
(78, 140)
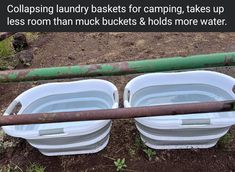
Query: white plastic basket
(181, 131)
(68, 137)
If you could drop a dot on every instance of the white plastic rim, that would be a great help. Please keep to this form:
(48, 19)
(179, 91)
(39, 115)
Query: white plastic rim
(29, 96)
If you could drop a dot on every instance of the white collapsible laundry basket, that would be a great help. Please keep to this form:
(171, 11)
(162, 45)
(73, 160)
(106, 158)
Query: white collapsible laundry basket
(68, 137)
(181, 131)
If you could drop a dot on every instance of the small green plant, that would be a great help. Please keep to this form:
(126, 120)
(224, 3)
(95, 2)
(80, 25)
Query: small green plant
(35, 168)
(150, 153)
(120, 164)
(10, 168)
(225, 140)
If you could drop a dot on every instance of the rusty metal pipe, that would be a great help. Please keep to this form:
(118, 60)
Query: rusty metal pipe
(121, 113)
(5, 35)
(120, 68)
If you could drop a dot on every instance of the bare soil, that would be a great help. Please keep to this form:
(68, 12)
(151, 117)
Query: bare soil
(61, 49)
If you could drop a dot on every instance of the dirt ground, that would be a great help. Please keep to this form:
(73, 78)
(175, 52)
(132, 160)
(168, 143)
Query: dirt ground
(61, 49)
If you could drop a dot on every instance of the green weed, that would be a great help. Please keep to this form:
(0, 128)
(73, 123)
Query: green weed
(225, 140)
(35, 168)
(10, 168)
(150, 153)
(120, 164)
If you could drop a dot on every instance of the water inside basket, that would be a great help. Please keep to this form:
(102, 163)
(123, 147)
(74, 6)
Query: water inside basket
(67, 103)
(176, 94)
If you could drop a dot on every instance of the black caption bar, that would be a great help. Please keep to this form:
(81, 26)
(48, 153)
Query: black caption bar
(111, 15)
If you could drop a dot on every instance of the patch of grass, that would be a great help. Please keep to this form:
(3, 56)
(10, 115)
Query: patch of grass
(7, 59)
(9, 62)
(138, 142)
(10, 168)
(120, 164)
(35, 168)
(6, 48)
(225, 140)
(150, 153)
(7, 144)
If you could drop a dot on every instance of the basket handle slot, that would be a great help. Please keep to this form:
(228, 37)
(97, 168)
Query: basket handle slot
(202, 121)
(13, 108)
(51, 131)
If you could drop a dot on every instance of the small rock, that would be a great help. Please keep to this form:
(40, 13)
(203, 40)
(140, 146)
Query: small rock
(19, 42)
(196, 46)
(117, 34)
(157, 159)
(35, 49)
(8, 144)
(3, 110)
(195, 150)
(140, 43)
(70, 57)
(158, 37)
(163, 158)
(10, 67)
(25, 57)
(128, 44)
(26, 154)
